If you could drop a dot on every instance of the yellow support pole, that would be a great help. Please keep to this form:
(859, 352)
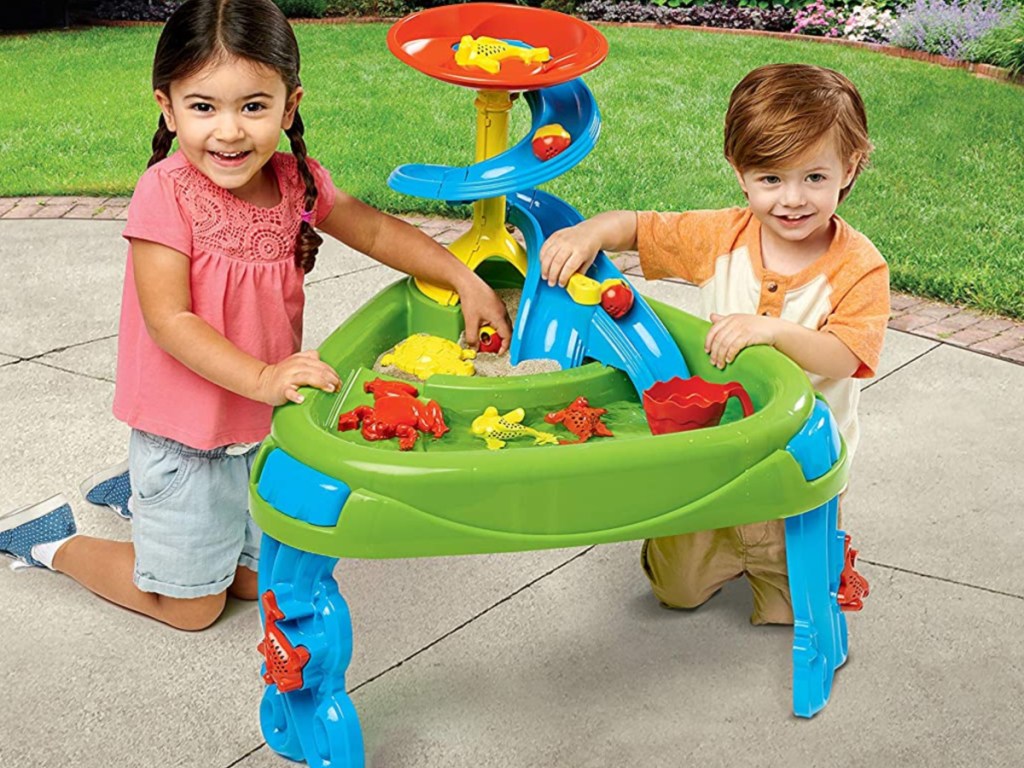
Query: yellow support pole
(487, 237)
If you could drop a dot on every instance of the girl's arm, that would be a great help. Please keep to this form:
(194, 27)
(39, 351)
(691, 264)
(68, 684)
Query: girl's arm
(403, 247)
(818, 352)
(162, 283)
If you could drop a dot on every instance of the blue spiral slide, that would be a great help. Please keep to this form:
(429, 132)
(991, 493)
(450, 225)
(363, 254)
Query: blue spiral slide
(550, 324)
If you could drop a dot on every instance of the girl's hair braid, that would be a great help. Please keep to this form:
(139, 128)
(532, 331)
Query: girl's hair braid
(199, 32)
(308, 242)
(161, 142)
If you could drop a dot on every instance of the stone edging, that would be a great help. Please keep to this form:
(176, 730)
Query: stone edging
(991, 335)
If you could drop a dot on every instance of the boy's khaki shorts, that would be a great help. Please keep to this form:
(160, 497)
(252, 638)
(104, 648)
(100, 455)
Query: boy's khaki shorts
(685, 571)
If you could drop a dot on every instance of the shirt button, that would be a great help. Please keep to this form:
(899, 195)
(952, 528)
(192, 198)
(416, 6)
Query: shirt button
(773, 287)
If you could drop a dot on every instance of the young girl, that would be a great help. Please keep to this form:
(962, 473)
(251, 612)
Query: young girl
(221, 235)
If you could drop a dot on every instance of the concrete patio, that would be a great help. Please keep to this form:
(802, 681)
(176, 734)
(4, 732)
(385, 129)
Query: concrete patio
(555, 659)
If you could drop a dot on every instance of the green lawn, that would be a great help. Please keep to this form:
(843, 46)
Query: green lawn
(944, 199)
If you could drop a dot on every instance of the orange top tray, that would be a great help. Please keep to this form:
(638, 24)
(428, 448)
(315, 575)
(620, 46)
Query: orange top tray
(427, 40)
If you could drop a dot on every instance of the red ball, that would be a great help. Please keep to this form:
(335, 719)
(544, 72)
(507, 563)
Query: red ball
(546, 147)
(617, 300)
(490, 341)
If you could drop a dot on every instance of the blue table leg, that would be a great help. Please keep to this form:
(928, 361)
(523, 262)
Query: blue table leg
(306, 713)
(814, 556)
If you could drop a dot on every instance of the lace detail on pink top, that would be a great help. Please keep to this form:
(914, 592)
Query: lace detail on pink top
(244, 232)
(244, 283)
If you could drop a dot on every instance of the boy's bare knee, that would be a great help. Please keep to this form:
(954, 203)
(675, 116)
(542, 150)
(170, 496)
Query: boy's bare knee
(192, 614)
(246, 584)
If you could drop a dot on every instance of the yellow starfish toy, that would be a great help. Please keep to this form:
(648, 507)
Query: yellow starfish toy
(488, 53)
(495, 429)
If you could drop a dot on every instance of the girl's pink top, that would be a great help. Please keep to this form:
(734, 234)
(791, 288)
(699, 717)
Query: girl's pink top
(244, 283)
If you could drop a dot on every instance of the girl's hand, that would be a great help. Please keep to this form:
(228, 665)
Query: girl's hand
(567, 252)
(731, 333)
(279, 383)
(481, 306)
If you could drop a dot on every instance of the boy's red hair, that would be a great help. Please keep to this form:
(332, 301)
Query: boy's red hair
(780, 111)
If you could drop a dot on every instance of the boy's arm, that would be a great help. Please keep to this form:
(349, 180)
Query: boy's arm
(574, 249)
(818, 352)
(165, 297)
(403, 247)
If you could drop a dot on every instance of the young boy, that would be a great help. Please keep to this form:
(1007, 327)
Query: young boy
(784, 271)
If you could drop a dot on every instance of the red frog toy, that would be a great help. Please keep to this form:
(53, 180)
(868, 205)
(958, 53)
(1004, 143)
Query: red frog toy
(582, 420)
(395, 413)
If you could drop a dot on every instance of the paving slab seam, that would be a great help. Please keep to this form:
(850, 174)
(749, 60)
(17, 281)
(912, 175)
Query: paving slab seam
(246, 756)
(933, 577)
(473, 618)
(351, 272)
(438, 640)
(53, 367)
(55, 350)
(989, 335)
(897, 369)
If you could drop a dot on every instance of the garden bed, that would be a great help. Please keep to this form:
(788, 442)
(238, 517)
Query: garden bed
(975, 35)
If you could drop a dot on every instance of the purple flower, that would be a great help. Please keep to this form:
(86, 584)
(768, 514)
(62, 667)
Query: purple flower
(946, 26)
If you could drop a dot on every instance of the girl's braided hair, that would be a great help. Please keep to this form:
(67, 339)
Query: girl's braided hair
(201, 31)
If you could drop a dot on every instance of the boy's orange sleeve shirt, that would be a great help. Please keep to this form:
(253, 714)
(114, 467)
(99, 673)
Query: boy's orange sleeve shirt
(860, 301)
(686, 244)
(846, 293)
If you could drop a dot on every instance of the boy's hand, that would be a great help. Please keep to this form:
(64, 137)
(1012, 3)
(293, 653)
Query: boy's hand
(565, 253)
(481, 306)
(279, 383)
(731, 333)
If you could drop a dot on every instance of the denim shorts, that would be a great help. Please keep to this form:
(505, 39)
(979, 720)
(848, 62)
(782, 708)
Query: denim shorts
(190, 516)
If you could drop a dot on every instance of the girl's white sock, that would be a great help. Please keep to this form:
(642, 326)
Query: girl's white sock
(44, 552)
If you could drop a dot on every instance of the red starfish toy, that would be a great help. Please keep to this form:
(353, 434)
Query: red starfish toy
(580, 419)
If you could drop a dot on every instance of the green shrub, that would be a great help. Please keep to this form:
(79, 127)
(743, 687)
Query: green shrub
(1002, 46)
(302, 9)
(383, 8)
(396, 8)
(562, 6)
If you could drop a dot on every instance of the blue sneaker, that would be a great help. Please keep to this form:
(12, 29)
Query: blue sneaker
(111, 488)
(24, 528)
